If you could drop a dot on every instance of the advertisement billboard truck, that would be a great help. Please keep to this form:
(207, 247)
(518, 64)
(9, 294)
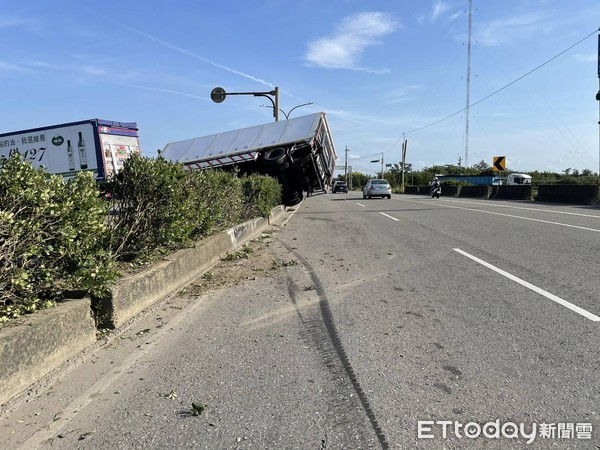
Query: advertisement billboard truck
(96, 145)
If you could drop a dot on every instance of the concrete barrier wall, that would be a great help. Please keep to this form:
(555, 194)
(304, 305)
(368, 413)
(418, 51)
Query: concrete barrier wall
(511, 192)
(413, 190)
(135, 293)
(567, 193)
(583, 194)
(43, 342)
(474, 191)
(450, 190)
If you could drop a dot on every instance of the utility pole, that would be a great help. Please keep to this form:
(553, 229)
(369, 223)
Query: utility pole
(346, 166)
(403, 162)
(598, 98)
(382, 165)
(467, 110)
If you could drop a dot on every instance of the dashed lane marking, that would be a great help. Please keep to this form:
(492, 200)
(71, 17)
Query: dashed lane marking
(548, 295)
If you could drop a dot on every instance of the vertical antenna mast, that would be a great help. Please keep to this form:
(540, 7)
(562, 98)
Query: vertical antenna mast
(467, 110)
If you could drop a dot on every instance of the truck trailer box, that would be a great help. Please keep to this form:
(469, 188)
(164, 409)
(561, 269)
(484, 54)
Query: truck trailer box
(299, 152)
(96, 145)
(518, 179)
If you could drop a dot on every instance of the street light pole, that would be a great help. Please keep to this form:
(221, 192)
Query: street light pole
(218, 95)
(403, 162)
(276, 104)
(287, 115)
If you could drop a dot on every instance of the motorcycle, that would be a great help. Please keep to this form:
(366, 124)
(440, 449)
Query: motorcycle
(436, 191)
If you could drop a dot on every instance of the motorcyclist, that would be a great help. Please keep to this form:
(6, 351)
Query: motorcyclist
(435, 186)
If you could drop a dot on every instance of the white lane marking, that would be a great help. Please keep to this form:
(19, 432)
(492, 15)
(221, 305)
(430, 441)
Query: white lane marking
(511, 215)
(390, 217)
(360, 204)
(533, 208)
(534, 288)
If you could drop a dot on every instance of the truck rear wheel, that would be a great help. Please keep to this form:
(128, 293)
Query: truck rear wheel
(293, 198)
(274, 157)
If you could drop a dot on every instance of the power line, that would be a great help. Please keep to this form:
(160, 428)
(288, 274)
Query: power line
(502, 88)
(368, 156)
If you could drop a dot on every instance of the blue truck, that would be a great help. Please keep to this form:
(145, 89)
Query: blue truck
(478, 180)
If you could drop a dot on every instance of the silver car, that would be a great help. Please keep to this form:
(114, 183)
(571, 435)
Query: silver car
(377, 188)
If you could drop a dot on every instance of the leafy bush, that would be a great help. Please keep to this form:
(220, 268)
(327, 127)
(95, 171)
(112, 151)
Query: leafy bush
(261, 195)
(50, 238)
(149, 207)
(218, 196)
(570, 179)
(58, 236)
(157, 205)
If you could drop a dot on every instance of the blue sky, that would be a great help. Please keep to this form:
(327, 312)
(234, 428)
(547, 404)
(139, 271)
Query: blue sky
(378, 69)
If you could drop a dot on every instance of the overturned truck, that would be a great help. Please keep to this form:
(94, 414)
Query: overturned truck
(299, 152)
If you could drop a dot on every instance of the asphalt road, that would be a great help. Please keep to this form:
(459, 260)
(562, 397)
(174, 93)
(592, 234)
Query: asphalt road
(403, 323)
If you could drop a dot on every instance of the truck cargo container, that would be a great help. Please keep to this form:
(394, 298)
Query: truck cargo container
(513, 179)
(299, 152)
(96, 145)
(518, 179)
(477, 180)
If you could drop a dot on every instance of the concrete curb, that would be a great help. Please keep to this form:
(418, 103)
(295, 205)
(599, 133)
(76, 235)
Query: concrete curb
(49, 338)
(133, 294)
(45, 341)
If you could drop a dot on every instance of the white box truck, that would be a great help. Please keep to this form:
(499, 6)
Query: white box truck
(518, 179)
(96, 145)
(299, 152)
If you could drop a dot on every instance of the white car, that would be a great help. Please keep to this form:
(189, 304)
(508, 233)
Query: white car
(377, 188)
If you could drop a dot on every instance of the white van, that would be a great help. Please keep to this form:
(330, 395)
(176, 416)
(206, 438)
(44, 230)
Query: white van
(518, 179)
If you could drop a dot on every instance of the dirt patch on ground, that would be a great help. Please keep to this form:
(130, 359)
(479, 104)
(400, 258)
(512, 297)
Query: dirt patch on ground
(251, 262)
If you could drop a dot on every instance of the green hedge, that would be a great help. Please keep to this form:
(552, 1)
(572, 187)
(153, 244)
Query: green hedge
(50, 238)
(261, 195)
(57, 237)
(158, 205)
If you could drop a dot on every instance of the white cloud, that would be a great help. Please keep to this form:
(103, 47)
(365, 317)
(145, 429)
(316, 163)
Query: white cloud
(403, 93)
(439, 8)
(512, 29)
(45, 65)
(191, 54)
(10, 67)
(168, 91)
(93, 70)
(455, 16)
(342, 50)
(12, 22)
(592, 57)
